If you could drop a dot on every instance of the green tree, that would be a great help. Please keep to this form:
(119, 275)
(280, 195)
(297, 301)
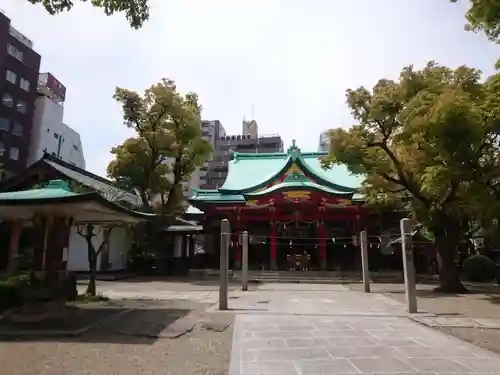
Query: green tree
(166, 148)
(136, 11)
(414, 139)
(485, 169)
(484, 16)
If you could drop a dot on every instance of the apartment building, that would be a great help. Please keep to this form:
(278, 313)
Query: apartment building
(50, 134)
(249, 142)
(211, 130)
(324, 141)
(19, 68)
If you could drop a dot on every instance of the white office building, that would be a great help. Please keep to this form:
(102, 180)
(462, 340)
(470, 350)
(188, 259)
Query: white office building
(324, 141)
(50, 134)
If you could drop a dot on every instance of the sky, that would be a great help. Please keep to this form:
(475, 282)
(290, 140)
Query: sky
(284, 63)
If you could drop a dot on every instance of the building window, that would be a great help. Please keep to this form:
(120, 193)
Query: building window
(21, 106)
(56, 136)
(2, 148)
(75, 147)
(25, 84)
(7, 100)
(11, 76)
(14, 153)
(13, 51)
(4, 124)
(17, 129)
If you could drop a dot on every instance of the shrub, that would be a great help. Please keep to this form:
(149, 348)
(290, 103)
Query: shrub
(11, 291)
(479, 268)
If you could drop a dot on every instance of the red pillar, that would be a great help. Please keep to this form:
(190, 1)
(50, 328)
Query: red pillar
(322, 245)
(237, 254)
(272, 246)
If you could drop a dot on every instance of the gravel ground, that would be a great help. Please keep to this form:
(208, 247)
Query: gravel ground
(133, 344)
(482, 301)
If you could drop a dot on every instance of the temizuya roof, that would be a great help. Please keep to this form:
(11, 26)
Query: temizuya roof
(57, 199)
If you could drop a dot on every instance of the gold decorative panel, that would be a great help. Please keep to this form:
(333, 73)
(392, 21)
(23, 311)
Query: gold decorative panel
(297, 195)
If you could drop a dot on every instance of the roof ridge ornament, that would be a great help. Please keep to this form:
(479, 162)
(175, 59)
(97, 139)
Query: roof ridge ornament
(294, 150)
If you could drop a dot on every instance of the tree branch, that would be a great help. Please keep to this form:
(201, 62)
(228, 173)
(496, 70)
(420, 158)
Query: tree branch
(105, 239)
(452, 191)
(390, 179)
(403, 180)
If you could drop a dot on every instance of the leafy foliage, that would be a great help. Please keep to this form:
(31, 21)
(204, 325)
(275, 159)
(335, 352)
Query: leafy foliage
(425, 140)
(136, 11)
(167, 147)
(484, 16)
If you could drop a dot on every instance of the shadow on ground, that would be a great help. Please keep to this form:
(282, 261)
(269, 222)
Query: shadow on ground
(104, 325)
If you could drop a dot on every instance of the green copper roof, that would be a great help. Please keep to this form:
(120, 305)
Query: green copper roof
(55, 189)
(57, 198)
(338, 174)
(216, 196)
(298, 186)
(247, 171)
(250, 175)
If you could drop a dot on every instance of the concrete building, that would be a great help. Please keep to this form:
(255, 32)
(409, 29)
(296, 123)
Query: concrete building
(50, 134)
(250, 128)
(248, 142)
(211, 130)
(19, 67)
(324, 141)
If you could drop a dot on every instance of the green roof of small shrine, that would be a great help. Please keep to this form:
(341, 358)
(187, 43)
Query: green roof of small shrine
(55, 189)
(57, 196)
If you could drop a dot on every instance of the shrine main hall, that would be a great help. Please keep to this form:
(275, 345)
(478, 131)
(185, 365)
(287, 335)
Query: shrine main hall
(289, 204)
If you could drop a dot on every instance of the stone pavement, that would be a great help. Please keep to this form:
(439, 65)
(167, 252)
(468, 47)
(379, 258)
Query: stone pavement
(312, 299)
(452, 322)
(298, 329)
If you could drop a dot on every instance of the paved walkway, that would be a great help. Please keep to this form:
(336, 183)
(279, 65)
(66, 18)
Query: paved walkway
(287, 329)
(451, 322)
(312, 299)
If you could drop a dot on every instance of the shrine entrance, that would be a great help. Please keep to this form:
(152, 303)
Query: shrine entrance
(297, 246)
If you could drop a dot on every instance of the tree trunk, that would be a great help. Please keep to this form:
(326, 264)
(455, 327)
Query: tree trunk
(449, 272)
(92, 258)
(91, 287)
